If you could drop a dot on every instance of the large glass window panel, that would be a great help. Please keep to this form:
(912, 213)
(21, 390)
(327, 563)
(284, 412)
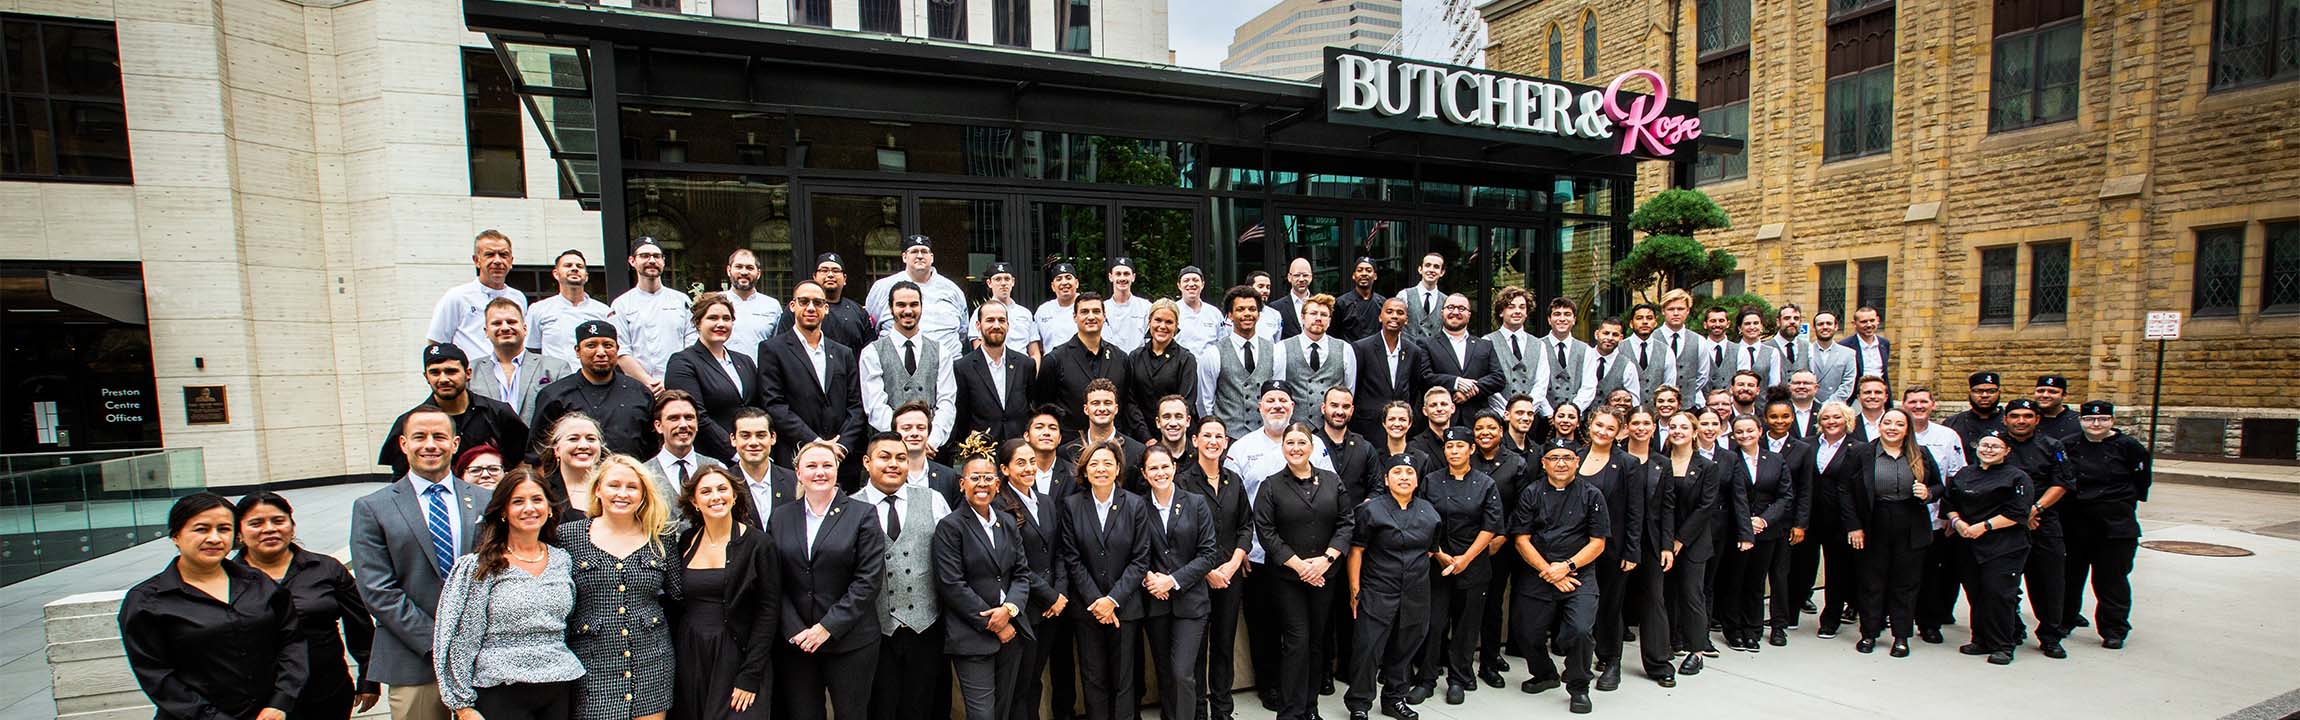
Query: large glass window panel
(1585, 249)
(1161, 242)
(1463, 247)
(811, 12)
(705, 135)
(2219, 270)
(1831, 295)
(946, 19)
(2034, 76)
(2048, 282)
(882, 16)
(1239, 243)
(2255, 41)
(1583, 195)
(886, 146)
(83, 59)
(492, 128)
(1722, 24)
(1729, 121)
(1010, 22)
(1519, 260)
(968, 233)
(1317, 237)
(864, 229)
(1077, 26)
(1998, 270)
(1072, 233)
(1872, 287)
(61, 113)
(702, 217)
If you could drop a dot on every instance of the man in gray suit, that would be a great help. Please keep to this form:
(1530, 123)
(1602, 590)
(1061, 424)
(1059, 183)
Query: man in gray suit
(676, 422)
(513, 373)
(1832, 364)
(404, 540)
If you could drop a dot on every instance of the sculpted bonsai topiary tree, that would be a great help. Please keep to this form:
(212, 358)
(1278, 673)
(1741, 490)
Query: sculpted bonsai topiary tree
(1669, 257)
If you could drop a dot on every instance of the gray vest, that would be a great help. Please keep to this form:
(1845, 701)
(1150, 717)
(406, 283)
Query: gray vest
(908, 593)
(1520, 373)
(1688, 363)
(1718, 363)
(1740, 358)
(1309, 386)
(1421, 324)
(1614, 375)
(1565, 380)
(1803, 360)
(1654, 371)
(903, 386)
(1237, 400)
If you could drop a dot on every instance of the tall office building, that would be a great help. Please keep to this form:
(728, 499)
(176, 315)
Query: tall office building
(1289, 39)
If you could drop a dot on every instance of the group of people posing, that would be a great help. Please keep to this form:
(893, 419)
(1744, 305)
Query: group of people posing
(864, 508)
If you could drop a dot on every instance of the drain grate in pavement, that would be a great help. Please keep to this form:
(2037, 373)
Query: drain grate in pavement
(2183, 547)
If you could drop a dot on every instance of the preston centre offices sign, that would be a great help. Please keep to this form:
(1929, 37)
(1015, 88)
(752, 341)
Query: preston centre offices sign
(1396, 93)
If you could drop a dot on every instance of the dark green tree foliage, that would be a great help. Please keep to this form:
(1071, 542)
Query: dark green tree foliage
(1733, 304)
(1157, 239)
(1669, 257)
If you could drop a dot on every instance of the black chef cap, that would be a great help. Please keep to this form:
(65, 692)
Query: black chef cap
(443, 352)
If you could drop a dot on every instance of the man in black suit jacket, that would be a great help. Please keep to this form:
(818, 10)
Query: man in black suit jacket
(1462, 362)
(1866, 322)
(1378, 382)
(993, 384)
(807, 406)
(1288, 307)
(716, 394)
(770, 485)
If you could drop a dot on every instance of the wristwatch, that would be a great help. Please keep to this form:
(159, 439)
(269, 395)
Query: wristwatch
(1012, 610)
(1569, 566)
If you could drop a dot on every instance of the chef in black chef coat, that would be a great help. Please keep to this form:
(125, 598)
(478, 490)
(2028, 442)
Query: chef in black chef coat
(1390, 587)
(1561, 527)
(2102, 522)
(1468, 503)
(1988, 504)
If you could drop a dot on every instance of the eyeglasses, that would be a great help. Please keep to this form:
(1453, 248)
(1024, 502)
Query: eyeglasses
(809, 302)
(483, 470)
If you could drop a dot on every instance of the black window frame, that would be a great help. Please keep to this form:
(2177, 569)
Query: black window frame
(1077, 28)
(1877, 297)
(811, 13)
(1999, 283)
(2280, 268)
(1863, 50)
(46, 99)
(2231, 269)
(2268, 71)
(1721, 81)
(2047, 294)
(1010, 23)
(946, 19)
(1829, 294)
(1556, 52)
(2029, 24)
(510, 111)
(879, 16)
(1588, 44)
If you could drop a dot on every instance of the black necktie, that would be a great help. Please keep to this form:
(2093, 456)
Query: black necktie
(910, 357)
(1791, 348)
(893, 520)
(1425, 303)
(1601, 369)
(1752, 357)
(1314, 356)
(1645, 354)
(1673, 344)
(1248, 348)
(1560, 356)
(682, 475)
(1516, 352)
(1717, 356)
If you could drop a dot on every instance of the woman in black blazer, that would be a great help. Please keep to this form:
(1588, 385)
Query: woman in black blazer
(1037, 517)
(830, 582)
(1886, 521)
(1689, 541)
(1182, 549)
(982, 579)
(721, 379)
(1304, 523)
(731, 603)
(1225, 493)
(1106, 550)
(1764, 501)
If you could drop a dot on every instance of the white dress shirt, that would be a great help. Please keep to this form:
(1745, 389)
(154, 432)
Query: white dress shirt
(815, 522)
(877, 500)
(819, 356)
(762, 491)
(1583, 397)
(874, 398)
(1210, 367)
(941, 315)
(1347, 357)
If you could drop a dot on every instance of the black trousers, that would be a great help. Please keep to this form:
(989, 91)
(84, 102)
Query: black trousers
(803, 679)
(1741, 586)
(1106, 670)
(1994, 586)
(1456, 618)
(1050, 661)
(986, 682)
(1891, 571)
(328, 695)
(2047, 564)
(1340, 635)
(915, 657)
(1302, 618)
(1561, 621)
(1612, 609)
(1490, 639)
(1649, 603)
(1385, 641)
(526, 701)
(1841, 582)
(1262, 625)
(1177, 650)
(1947, 562)
(2107, 560)
(1216, 671)
(1688, 589)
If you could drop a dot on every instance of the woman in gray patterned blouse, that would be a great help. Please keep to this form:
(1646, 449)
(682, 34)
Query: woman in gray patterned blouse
(500, 646)
(623, 578)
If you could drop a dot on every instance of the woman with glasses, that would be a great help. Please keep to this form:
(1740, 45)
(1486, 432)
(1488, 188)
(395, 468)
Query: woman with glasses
(482, 466)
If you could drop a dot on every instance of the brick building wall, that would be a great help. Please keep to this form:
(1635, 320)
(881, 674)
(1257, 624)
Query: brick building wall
(2151, 157)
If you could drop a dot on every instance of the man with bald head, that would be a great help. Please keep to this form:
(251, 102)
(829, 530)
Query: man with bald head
(1289, 306)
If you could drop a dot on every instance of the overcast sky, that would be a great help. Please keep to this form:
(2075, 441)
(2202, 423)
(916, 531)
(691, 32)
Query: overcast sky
(1200, 31)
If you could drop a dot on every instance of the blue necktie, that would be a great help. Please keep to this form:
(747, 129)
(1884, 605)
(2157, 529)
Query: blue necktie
(442, 537)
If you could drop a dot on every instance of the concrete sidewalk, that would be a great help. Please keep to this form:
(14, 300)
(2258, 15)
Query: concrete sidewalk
(2241, 476)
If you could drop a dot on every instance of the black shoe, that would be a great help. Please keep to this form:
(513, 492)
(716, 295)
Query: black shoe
(1780, 638)
(1629, 635)
(1828, 632)
(1715, 626)
(2114, 643)
(1973, 649)
(1668, 681)
(1358, 715)
(1900, 647)
(1931, 636)
(1269, 701)
(1536, 687)
(1580, 704)
(1419, 693)
(1328, 688)
(2001, 657)
(1710, 652)
(1811, 609)
(1691, 665)
(1500, 665)
(2052, 650)
(1491, 678)
(1400, 710)
(2080, 622)
(1866, 645)
(1455, 694)
(1849, 616)
(1609, 679)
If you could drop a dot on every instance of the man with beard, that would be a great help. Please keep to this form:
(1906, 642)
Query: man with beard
(479, 420)
(1056, 318)
(1746, 388)
(1795, 350)
(1519, 351)
(652, 320)
(676, 423)
(2045, 460)
(1613, 370)
(1425, 300)
(905, 365)
(756, 314)
(551, 321)
(460, 316)
(513, 373)
(599, 389)
(1982, 414)
(1289, 308)
(1126, 316)
(942, 305)
(1255, 456)
(994, 379)
(843, 319)
(1070, 367)
(1021, 326)
(1652, 362)
(1390, 369)
(2054, 418)
(1231, 369)
(1461, 362)
(1358, 313)
(1355, 459)
(1832, 364)
(770, 485)
(807, 380)
(1312, 361)
(1101, 413)
(1717, 367)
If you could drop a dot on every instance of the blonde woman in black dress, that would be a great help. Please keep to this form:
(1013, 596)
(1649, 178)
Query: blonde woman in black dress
(623, 578)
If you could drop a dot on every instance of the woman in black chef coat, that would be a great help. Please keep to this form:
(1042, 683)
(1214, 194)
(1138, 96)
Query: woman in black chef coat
(325, 597)
(209, 637)
(1885, 520)
(1468, 505)
(1499, 454)
(1987, 504)
(1391, 546)
(1304, 525)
